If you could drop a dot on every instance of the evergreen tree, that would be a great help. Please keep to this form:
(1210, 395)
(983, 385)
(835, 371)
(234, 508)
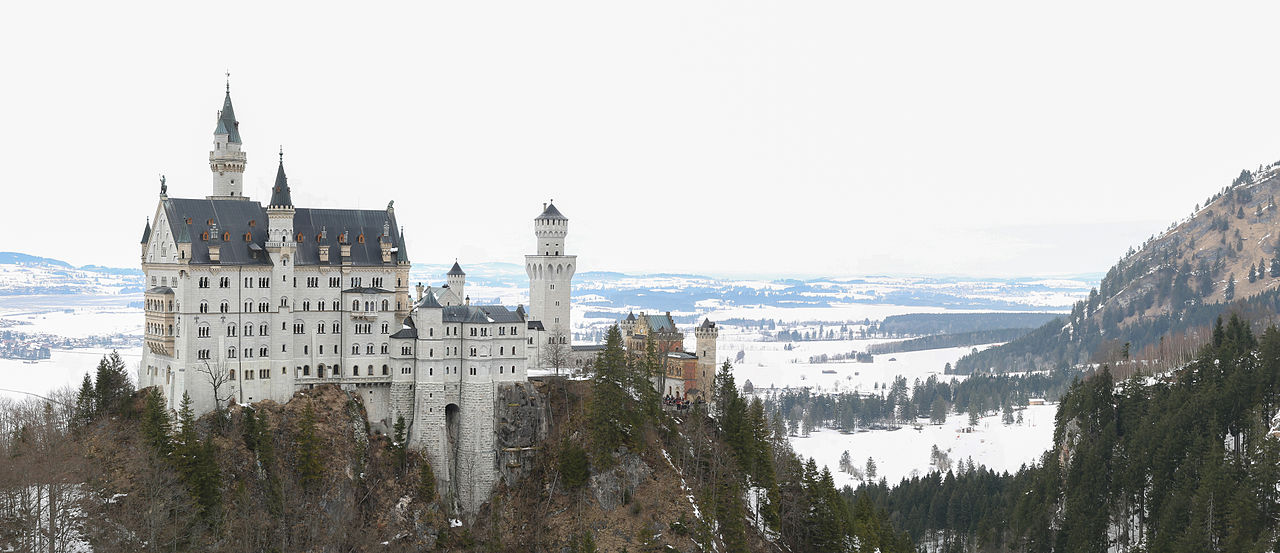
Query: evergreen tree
(973, 414)
(83, 414)
(846, 462)
(1006, 415)
(611, 416)
(938, 411)
(427, 481)
(1230, 292)
(112, 386)
(573, 465)
(250, 430)
(871, 469)
(1253, 273)
(155, 423)
(308, 446)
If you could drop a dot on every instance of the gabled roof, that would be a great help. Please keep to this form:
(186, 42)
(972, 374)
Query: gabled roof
(631, 316)
(227, 123)
(146, 232)
(660, 323)
(706, 323)
(280, 196)
(456, 270)
(550, 212)
(536, 325)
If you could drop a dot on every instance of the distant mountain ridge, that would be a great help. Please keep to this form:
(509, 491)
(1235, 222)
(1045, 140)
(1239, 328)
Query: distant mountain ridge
(1224, 256)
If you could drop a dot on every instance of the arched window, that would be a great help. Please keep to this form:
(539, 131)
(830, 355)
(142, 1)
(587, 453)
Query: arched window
(355, 305)
(385, 370)
(224, 307)
(355, 349)
(369, 349)
(385, 305)
(204, 307)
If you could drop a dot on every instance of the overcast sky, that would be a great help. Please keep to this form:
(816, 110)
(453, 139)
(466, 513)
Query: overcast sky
(811, 138)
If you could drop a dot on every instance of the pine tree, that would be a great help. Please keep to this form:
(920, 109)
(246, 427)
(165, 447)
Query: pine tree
(1253, 273)
(1006, 415)
(112, 386)
(973, 414)
(155, 424)
(83, 414)
(846, 462)
(308, 446)
(871, 469)
(427, 481)
(398, 446)
(1230, 292)
(611, 414)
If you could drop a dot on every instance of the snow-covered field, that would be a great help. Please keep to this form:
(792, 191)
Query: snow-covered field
(769, 365)
(64, 368)
(900, 453)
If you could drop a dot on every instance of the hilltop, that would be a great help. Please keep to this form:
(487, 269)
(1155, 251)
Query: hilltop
(1158, 301)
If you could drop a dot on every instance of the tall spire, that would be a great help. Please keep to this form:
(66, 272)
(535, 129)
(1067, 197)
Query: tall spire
(280, 196)
(227, 123)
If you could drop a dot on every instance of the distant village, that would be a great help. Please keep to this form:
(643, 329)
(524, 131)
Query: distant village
(35, 347)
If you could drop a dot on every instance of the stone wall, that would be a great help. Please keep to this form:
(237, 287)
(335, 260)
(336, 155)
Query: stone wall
(520, 414)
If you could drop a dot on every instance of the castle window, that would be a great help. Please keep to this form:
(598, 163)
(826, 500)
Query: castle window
(369, 349)
(248, 330)
(473, 352)
(248, 237)
(385, 305)
(320, 328)
(231, 330)
(306, 369)
(264, 373)
(385, 370)
(355, 349)
(473, 371)
(335, 305)
(473, 331)
(430, 371)
(262, 351)
(306, 349)
(231, 353)
(360, 238)
(384, 348)
(355, 370)
(306, 305)
(248, 306)
(262, 329)
(231, 374)
(248, 375)
(335, 328)
(385, 328)
(355, 305)
(370, 371)
(299, 237)
(202, 332)
(224, 307)
(320, 305)
(431, 332)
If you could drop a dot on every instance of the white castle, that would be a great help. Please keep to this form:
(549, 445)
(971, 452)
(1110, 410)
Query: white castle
(247, 302)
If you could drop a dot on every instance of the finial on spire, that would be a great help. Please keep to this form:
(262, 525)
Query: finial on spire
(228, 81)
(282, 153)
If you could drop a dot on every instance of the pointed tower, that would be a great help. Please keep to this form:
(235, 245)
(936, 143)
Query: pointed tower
(551, 273)
(226, 160)
(457, 280)
(706, 335)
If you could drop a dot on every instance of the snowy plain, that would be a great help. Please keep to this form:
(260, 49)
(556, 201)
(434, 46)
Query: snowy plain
(905, 452)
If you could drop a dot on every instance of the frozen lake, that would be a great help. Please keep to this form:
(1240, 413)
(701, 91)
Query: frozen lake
(64, 368)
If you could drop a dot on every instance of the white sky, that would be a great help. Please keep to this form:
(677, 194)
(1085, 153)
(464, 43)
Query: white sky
(717, 137)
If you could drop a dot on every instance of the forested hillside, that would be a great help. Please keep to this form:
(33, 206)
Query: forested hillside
(107, 467)
(1182, 463)
(1171, 288)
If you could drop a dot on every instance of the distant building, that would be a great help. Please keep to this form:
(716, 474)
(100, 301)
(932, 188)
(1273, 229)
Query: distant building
(686, 375)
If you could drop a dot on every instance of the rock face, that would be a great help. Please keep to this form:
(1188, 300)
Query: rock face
(520, 417)
(612, 487)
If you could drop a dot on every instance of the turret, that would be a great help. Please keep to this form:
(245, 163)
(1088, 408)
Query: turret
(456, 279)
(706, 335)
(550, 229)
(226, 161)
(550, 272)
(280, 239)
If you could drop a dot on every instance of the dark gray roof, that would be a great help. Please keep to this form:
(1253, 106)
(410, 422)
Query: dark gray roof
(429, 300)
(681, 355)
(406, 333)
(160, 290)
(146, 232)
(588, 347)
(631, 316)
(552, 213)
(480, 314)
(535, 325)
(189, 220)
(456, 270)
(367, 290)
(227, 123)
(280, 191)
(706, 323)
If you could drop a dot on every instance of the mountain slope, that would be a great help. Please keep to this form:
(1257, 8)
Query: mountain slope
(1161, 298)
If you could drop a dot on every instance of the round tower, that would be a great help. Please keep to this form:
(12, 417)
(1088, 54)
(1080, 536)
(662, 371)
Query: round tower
(226, 161)
(550, 273)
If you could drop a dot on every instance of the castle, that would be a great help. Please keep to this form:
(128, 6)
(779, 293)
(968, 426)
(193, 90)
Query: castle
(246, 302)
(684, 375)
